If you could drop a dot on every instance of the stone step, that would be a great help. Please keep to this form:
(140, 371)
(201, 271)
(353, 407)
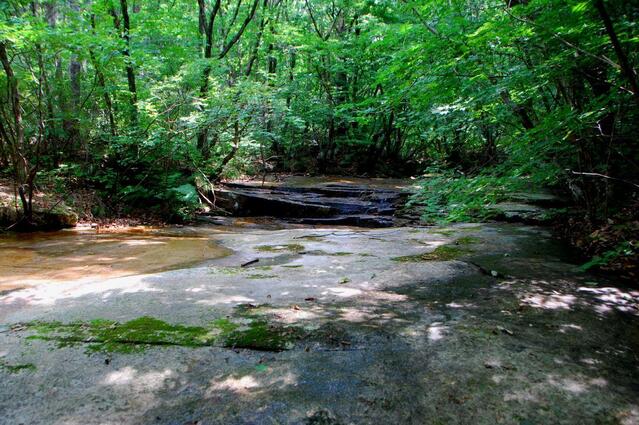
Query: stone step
(332, 203)
(351, 220)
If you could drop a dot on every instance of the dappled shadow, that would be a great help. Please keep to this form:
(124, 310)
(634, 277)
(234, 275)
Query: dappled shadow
(374, 342)
(565, 295)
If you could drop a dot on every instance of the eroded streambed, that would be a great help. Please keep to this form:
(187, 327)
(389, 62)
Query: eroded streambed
(467, 324)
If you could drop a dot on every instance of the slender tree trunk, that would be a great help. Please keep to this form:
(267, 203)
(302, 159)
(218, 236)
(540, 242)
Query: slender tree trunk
(291, 74)
(102, 83)
(124, 28)
(202, 136)
(206, 29)
(236, 145)
(130, 74)
(20, 162)
(272, 69)
(519, 110)
(626, 68)
(258, 40)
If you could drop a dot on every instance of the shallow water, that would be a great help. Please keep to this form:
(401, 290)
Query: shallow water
(28, 259)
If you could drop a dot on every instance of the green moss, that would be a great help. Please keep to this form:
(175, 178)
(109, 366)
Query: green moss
(140, 334)
(132, 336)
(441, 253)
(225, 270)
(467, 240)
(224, 325)
(263, 337)
(16, 368)
(261, 276)
(292, 247)
(328, 254)
(444, 232)
(294, 266)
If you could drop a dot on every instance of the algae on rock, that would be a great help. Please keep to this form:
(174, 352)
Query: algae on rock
(144, 332)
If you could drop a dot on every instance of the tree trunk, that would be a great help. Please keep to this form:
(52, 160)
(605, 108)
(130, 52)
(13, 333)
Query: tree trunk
(258, 40)
(626, 68)
(206, 29)
(130, 74)
(102, 83)
(16, 147)
(124, 29)
(202, 136)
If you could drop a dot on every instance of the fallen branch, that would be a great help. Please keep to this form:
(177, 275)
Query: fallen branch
(603, 176)
(212, 204)
(248, 263)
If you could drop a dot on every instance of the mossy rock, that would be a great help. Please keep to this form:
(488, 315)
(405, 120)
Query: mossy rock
(321, 252)
(261, 336)
(291, 247)
(144, 332)
(259, 276)
(59, 217)
(56, 219)
(17, 368)
(111, 336)
(467, 240)
(441, 253)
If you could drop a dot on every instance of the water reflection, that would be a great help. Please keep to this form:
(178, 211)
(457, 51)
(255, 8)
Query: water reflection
(27, 259)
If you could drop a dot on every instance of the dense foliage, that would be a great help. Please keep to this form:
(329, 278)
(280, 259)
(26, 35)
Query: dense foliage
(147, 101)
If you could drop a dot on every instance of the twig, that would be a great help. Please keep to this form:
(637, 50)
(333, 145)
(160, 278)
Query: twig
(604, 177)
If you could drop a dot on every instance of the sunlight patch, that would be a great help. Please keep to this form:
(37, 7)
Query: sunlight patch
(242, 385)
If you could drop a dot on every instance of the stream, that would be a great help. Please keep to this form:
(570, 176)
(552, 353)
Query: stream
(259, 320)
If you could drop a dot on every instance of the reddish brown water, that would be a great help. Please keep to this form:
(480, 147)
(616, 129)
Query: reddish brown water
(27, 259)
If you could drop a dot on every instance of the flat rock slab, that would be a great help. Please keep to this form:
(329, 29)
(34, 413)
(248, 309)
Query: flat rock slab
(401, 325)
(519, 212)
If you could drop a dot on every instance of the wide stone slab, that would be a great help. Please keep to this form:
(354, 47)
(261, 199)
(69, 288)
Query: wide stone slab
(478, 324)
